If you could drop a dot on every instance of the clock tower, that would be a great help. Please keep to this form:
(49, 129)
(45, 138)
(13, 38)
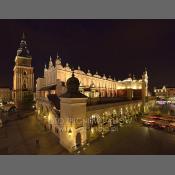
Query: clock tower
(23, 78)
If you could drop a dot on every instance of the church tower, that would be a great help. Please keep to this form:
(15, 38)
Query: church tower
(23, 78)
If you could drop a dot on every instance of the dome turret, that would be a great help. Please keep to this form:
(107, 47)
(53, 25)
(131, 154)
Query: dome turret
(73, 88)
(73, 84)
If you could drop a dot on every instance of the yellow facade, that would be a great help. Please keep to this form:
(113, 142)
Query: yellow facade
(23, 77)
(92, 85)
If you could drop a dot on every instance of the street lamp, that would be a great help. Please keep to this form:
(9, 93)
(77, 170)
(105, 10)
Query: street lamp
(70, 132)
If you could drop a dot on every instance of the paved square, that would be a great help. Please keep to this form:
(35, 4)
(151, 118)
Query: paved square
(19, 137)
(133, 140)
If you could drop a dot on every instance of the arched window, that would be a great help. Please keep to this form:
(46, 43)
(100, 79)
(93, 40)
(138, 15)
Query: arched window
(24, 73)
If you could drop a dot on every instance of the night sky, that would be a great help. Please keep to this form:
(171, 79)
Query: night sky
(113, 47)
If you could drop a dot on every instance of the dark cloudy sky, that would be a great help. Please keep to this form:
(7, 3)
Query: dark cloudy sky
(113, 47)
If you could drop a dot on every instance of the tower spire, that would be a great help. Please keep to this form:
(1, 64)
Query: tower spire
(23, 84)
(23, 50)
(23, 36)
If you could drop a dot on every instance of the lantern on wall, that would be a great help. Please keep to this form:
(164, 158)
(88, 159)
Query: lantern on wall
(70, 132)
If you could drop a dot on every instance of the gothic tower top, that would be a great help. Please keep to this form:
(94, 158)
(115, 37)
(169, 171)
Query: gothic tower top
(23, 51)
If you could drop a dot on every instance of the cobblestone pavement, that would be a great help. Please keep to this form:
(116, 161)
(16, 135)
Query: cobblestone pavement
(132, 140)
(18, 137)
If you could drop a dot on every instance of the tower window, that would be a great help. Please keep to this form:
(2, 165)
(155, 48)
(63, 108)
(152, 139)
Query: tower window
(24, 86)
(25, 73)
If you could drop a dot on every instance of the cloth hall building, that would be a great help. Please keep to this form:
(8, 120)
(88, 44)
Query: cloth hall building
(63, 94)
(56, 75)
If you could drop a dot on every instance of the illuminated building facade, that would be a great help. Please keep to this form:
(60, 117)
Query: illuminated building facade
(23, 78)
(62, 96)
(164, 92)
(56, 75)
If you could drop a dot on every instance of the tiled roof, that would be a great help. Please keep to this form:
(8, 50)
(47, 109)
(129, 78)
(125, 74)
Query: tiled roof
(52, 87)
(54, 99)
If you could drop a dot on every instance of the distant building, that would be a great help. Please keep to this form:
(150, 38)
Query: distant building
(164, 92)
(5, 94)
(23, 79)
